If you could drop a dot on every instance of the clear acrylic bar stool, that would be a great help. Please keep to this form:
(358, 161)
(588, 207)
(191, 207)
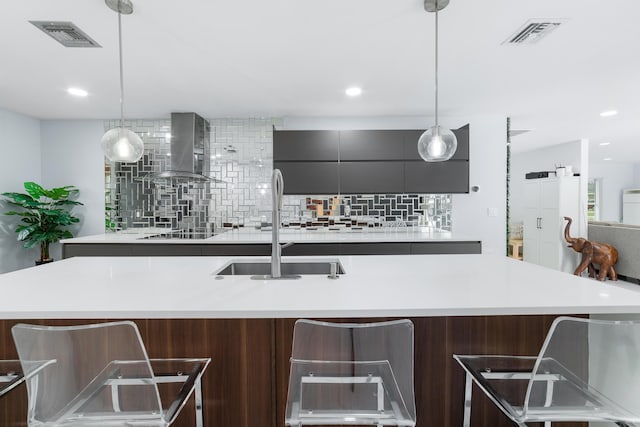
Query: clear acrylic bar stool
(562, 383)
(100, 374)
(346, 373)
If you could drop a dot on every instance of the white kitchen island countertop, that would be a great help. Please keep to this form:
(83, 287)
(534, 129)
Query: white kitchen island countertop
(373, 286)
(253, 236)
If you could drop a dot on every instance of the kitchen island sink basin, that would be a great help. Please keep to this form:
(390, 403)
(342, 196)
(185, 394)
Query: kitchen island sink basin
(287, 268)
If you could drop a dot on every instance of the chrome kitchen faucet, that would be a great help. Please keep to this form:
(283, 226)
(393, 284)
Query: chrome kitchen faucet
(277, 191)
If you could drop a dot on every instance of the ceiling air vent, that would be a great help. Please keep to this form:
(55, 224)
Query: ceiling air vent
(66, 33)
(533, 31)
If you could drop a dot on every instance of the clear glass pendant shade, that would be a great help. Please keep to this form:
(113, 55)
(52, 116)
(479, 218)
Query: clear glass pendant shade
(122, 145)
(437, 144)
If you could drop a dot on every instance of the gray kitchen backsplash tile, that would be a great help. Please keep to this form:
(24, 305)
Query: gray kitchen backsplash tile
(411, 209)
(134, 201)
(241, 155)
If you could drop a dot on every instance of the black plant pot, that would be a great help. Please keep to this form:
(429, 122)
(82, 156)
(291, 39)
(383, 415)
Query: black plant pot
(46, 261)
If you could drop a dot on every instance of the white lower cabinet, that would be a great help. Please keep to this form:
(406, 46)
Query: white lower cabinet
(547, 201)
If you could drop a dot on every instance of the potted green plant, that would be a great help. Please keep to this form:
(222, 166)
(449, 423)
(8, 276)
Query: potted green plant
(44, 214)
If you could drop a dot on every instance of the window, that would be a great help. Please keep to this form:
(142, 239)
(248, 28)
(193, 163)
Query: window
(593, 199)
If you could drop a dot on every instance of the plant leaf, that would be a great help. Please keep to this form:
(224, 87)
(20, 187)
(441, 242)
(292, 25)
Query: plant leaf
(30, 243)
(58, 193)
(63, 192)
(21, 199)
(36, 191)
(66, 202)
(24, 233)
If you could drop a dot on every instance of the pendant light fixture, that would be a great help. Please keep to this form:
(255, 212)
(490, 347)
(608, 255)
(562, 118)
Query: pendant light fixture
(437, 144)
(120, 144)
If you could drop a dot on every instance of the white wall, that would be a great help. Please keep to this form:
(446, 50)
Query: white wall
(636, 175)
(19, 162)
(54, 154)
(484, 213)
(71, 155)
(614, 177)
(473, 213)
(545, 159)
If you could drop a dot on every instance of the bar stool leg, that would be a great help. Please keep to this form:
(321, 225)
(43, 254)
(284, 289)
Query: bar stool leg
(198, 402)
(548, 400)
(468, 387)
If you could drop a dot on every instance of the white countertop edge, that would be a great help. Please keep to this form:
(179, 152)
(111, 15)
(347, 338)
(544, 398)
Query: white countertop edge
(318, 314)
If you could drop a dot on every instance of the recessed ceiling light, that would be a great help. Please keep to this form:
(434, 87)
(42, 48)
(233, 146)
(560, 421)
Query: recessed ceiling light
(605, 143)
(353, 91)
(608, 113)
(77, 91)
(607, 159)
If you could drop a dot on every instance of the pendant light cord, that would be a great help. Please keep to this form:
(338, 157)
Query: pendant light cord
(121, 73)
(436, 62)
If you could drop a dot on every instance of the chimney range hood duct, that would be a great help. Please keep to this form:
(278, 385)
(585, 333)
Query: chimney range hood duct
(189, 149)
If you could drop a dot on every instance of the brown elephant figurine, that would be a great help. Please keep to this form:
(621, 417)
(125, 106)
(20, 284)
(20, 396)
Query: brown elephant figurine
(602, 254)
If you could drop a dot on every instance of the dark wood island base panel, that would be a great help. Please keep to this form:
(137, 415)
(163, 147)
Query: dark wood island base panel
(246, 383)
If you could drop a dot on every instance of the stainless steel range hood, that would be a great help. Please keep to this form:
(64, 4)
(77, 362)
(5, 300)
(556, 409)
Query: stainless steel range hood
(189, 151)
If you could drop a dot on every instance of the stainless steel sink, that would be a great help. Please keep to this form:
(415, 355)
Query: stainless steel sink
(289, 269)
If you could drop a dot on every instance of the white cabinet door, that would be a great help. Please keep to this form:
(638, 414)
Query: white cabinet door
(546, 200)
(550, 227)
(531, 222)
(549, 237)
(532, 194)
(530, 233)
(549, 194)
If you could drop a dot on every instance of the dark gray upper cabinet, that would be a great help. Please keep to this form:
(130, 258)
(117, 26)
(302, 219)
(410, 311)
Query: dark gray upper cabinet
(462, 152)
(358, 145)
(309, 178)
(366, 162)
(302, 145)
(371, 177)
(411, 137)
(438, 177)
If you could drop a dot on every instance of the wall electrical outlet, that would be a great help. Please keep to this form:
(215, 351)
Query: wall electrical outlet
(492, 211)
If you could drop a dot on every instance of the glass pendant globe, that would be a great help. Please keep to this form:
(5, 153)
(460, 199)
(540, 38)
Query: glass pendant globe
(437, 144)
(122, 145)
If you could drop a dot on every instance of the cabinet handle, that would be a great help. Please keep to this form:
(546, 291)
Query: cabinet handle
(538, 223)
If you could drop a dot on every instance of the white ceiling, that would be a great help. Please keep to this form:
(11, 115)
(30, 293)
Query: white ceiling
(230, 58)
